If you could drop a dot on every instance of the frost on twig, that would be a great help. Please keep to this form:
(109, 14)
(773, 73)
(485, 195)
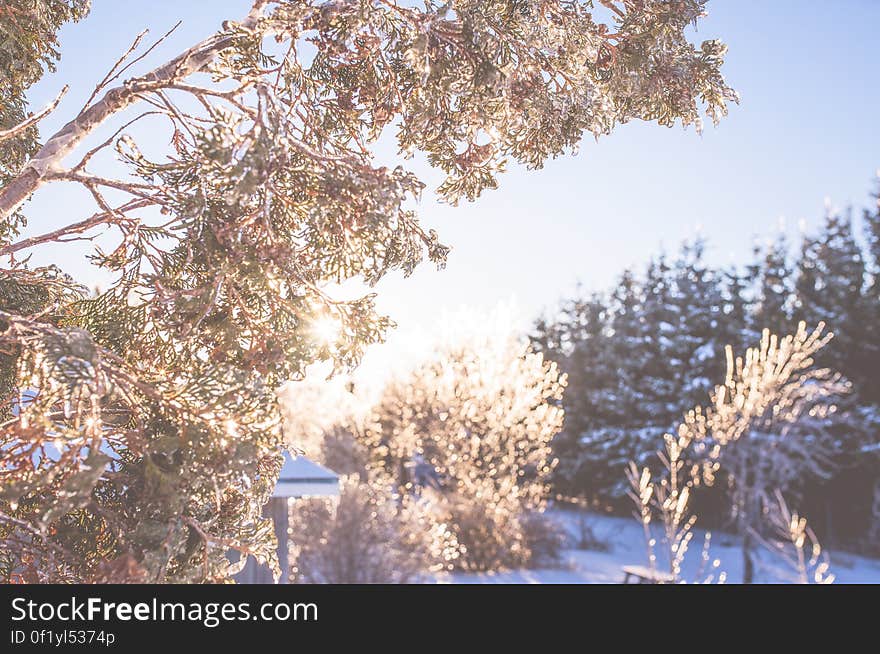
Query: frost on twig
(773, 387)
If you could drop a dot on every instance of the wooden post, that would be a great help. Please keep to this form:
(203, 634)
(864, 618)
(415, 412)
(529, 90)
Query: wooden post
(276, 509)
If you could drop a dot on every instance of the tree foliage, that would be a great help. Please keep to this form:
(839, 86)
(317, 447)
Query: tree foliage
(28, 48)
(368, 536)
(147, 435)
(469, 432)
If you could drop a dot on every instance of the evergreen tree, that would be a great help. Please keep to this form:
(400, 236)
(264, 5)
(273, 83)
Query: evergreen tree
(774, 288)
(28, 49)
(639, 398)
(624, 401)
(830, 279)
(662, 335)
(697, 304)
(661, 396)
(612, 437)
(870, 389)
(734, 325)
(579, 342)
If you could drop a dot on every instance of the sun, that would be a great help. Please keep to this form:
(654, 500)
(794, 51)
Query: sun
(325, 330)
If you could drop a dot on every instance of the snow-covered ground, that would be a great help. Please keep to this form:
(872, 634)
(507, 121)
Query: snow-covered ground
(626, 546)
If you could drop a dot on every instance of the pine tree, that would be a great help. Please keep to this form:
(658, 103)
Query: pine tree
(830, 284)
(735, 322)
(661, 402)
(624, 401)
(657, 329)
(774, 287)
(639, 398)
(141, 431)
(578, 341)
(870, 384)
(614, 435)
(629, 387)
(697, 303)
(831, 275)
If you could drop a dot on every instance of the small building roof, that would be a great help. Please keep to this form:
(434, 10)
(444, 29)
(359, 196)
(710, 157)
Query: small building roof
(301, 477)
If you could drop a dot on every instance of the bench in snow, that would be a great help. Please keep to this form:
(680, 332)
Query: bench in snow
(643, 575)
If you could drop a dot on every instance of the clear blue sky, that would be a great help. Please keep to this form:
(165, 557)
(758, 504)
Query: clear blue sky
(806, 129)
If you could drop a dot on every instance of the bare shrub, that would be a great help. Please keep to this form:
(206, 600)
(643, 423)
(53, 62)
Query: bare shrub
(489, 534)
(586, 537)
(367, 536)
(544, 538)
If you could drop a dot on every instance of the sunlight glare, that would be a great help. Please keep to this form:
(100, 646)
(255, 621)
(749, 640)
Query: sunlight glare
(326, 330)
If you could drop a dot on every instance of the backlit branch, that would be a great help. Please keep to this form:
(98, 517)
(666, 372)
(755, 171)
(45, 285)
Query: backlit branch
(34, 119)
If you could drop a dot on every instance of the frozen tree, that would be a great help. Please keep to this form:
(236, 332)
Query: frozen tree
(578, 336)
(637, 401)
(792, 539)
(650, 353)
(470, 431)
(773, 387)
(641, 355)
(691, 360)
(871, 219)
(659, 327)
(28, 49)
(773, 281)
(833, 285)
(152, 438)
(367, 536)
(830, 280)
(616, 366)
(782, 453)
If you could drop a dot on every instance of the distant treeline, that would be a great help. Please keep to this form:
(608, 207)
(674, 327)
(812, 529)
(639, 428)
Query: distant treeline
(641, 354)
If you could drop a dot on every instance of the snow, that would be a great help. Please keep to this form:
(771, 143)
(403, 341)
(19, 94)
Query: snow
(705, 352)
(302, 477)
(626, 543)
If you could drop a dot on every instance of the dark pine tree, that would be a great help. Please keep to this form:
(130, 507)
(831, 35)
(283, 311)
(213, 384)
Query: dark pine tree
(609, 440)
(578, 340)
(773, 281)
(648, 351)
(735, 323)
(830, 280)
(659, 329)
(870, 390)
(697, 353)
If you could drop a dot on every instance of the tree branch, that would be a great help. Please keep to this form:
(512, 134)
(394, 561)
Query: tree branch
(114, 100)
(75, 228)
(34, 119)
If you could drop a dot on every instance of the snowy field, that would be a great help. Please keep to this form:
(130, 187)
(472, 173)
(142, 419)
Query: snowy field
(626, 546)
